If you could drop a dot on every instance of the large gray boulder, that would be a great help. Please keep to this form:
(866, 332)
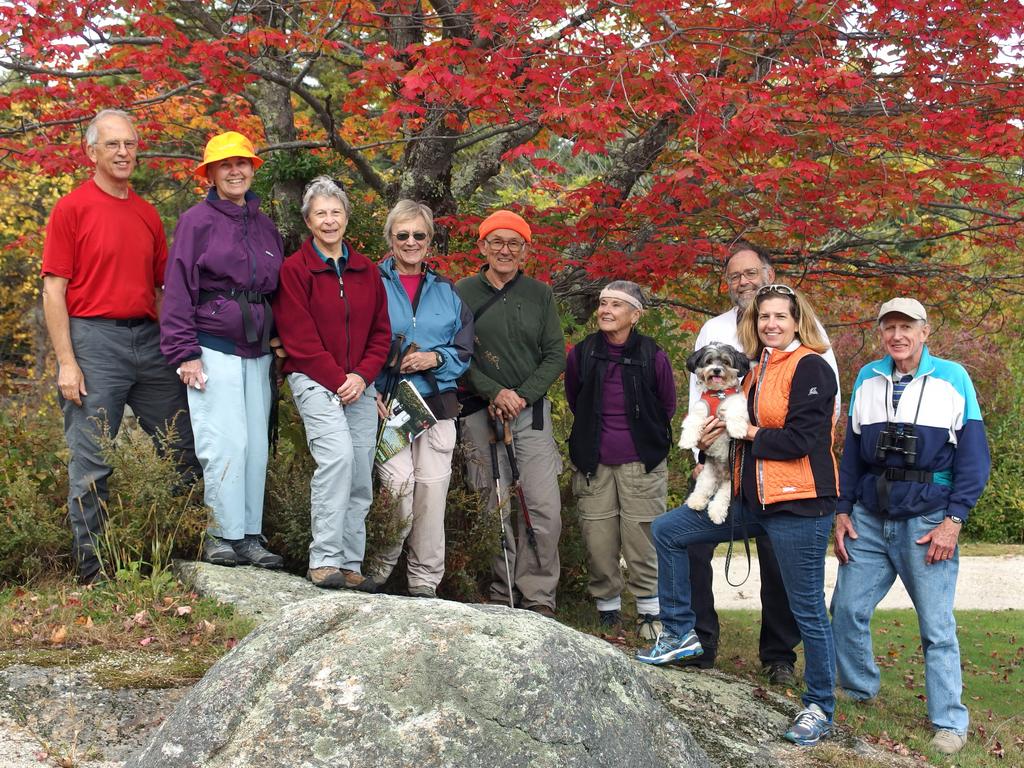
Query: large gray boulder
(349, 680)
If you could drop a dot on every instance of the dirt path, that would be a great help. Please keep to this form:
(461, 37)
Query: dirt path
(984, 583)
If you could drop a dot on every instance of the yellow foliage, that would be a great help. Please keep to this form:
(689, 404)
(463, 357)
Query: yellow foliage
(25, 202)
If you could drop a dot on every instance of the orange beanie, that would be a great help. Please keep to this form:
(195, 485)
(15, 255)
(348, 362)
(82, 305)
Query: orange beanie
(505, 220)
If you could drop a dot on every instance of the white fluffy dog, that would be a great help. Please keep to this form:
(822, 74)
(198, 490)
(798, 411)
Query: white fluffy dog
(718, 368)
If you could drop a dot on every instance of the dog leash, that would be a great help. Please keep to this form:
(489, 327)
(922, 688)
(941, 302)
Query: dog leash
(735, 504)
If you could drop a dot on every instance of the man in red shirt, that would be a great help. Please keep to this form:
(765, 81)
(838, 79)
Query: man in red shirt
(103, 266)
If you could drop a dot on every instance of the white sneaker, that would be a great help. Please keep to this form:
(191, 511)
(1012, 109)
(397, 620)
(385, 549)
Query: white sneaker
(948, 742)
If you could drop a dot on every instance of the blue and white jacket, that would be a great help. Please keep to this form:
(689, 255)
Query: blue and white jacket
(442, 323)
(951, 440)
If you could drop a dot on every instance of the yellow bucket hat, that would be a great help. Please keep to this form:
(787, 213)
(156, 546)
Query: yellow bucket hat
(225, 145)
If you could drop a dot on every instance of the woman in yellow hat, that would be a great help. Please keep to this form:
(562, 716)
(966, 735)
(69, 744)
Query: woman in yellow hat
(215, 328)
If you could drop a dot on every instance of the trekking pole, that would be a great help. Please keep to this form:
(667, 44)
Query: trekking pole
(505, 428)
(493, 440)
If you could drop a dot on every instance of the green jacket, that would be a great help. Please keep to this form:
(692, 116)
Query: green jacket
(519, 342)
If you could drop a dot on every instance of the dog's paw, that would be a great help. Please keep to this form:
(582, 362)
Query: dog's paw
(736, 424)
(690, 433)
(717, 512)
(696, 501)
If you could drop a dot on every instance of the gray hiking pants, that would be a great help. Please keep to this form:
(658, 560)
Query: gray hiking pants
(535, 575)
(122, 365)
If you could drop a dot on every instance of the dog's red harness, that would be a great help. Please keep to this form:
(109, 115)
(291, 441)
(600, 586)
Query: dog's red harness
(714, 399)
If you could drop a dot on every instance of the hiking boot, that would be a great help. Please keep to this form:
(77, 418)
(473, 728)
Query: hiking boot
(358, 582)
(250, 551)
(648, 627)
(780, 673)
(326, 577)
(810, 726)
(219, 551)
(544, 610)
(670, 648)
(422, 590)
(611, 621)
(947, 742)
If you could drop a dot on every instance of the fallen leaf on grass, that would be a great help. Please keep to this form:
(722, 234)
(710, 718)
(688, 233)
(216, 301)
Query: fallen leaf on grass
(59, 635)
(183, 610)
(84, 621)
(230, 643)
(997, 750)
(146, 641)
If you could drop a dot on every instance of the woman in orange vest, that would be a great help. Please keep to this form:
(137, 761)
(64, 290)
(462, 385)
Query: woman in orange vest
(788, 487)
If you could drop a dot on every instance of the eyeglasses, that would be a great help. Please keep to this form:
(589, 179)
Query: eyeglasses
(785, 290)
(751, 274)
(497, 244)
(112, 146)
(401, 237)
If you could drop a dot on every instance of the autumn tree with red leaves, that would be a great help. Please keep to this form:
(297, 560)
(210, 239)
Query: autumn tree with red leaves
(870, 141)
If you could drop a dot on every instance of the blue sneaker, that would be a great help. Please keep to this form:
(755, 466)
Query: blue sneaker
(810, 727)
(668, 648)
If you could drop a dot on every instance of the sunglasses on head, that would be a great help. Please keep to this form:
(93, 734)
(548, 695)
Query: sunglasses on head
(419, 237)
(785, 290)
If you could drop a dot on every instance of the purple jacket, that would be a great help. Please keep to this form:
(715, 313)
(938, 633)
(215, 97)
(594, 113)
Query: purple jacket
(218, 246)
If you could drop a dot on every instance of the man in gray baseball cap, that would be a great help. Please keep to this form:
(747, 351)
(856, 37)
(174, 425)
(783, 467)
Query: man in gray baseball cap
(915, 462)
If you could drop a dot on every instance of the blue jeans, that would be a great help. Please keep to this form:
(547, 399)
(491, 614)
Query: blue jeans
(883, 550)
(799, 543)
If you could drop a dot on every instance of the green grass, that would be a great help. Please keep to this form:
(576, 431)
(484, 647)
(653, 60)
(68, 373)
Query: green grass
(135, 631)
(992, 657)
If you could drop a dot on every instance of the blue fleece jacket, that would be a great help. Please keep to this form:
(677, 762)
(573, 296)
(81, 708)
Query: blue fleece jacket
(442, 323)
(951, 440)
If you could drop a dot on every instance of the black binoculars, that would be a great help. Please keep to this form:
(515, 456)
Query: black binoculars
(897, 438)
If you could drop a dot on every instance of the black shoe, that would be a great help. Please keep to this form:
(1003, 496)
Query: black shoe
(250, 551)
(780, 673)
(704, 661)
(611, 621)
(218, 551)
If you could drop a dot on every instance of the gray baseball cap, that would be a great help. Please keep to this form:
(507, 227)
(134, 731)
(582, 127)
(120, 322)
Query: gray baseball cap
(912, 308)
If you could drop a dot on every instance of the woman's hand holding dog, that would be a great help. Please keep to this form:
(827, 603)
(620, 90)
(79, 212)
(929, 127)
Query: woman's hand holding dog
(711, 431)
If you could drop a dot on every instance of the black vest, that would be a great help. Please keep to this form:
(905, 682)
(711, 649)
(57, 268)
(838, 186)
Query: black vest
(648, 425)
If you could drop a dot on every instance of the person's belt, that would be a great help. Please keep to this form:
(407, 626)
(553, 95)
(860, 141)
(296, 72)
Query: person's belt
(245, 299)
(901, 474)
(120, 322)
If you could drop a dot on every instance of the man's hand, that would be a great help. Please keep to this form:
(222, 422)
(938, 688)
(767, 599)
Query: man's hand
(844, 528)
(941, 541)
(713, 428)
(71, 382)
(352, 389)
(508, 404)
(414, 362)
(382, 410)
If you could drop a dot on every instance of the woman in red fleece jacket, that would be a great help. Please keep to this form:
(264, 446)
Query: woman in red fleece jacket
(332, 317)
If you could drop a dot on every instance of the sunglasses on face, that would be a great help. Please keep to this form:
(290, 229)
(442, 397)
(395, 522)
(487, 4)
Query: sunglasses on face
(401, 237)
(785, 290)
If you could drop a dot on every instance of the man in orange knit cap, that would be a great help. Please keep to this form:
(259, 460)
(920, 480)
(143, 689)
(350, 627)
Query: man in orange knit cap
(518, 354)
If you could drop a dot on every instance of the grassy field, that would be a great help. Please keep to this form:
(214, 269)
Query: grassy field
(992, 656)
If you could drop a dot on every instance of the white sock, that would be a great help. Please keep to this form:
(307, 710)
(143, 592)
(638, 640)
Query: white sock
(610, 604)
(648, 605)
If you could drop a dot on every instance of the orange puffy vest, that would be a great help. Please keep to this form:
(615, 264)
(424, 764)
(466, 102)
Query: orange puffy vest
(779, 480)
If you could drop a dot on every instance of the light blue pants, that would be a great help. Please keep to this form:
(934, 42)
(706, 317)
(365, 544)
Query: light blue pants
(341, 440)
(229, 421)
(883, 550)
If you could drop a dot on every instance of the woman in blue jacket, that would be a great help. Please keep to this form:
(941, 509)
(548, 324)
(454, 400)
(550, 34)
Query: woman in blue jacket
(215, 327)
(432, 334)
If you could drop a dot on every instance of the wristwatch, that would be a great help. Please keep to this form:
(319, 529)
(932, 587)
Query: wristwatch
(440, 360)
(955, 519)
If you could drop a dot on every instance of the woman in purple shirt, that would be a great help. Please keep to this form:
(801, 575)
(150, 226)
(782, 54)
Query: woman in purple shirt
(620, 388)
